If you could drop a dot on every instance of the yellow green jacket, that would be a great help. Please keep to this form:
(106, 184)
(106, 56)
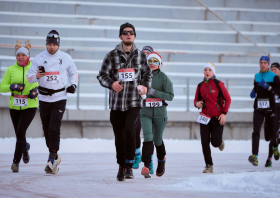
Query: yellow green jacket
(16, 74)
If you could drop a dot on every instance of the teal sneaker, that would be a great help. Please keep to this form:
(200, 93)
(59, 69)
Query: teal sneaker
(137, 161)
(151, 168)
(254, 160)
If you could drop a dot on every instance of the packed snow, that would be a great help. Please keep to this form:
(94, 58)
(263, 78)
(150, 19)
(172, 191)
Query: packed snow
(89, 169)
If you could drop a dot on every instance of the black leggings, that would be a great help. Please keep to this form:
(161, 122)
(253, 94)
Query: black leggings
(138, 130)
(21, 120)
(212, 132)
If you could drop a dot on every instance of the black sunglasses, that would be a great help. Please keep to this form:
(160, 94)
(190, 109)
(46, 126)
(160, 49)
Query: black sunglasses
(126, 32)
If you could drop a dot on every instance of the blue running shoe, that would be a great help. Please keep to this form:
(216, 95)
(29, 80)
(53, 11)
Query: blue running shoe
(137, 161)
(151, 168)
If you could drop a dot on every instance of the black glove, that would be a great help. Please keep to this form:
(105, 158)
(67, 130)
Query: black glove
(17, 87)
(33, 93)
(71, 89)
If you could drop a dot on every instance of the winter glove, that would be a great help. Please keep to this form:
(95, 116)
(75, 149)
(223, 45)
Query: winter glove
(253, 94)
(263, 84)
(33, 93)
(16, 87)
(71, 89)
(151, 92)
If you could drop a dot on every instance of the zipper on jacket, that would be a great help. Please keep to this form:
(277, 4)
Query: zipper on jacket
(210, 90)
(22, 82)
(217, 106)
(207, 99)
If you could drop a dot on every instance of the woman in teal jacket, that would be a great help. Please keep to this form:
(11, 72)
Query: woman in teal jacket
(153, 116)
(23, 102)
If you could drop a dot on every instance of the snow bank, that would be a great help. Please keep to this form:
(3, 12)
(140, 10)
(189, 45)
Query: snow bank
(83, 145)
(261, 184)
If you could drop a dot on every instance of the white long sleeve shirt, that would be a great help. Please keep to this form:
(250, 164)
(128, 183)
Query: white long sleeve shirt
(57, 67)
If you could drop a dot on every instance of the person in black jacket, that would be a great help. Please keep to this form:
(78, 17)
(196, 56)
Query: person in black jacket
(266, 85)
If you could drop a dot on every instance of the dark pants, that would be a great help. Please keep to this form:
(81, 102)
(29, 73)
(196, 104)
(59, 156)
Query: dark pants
(51, 114)
(270, 120)
(268, 128)
(21, 120)
(138, 130)
(124, 123)
(213, 132)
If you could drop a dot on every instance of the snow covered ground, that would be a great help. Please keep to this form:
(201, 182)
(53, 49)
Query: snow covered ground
(89, 169)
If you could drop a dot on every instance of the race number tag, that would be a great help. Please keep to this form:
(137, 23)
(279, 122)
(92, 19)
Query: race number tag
(263, 104)
(51, 77)
(203, 119)
(277, 99)
(20, 100)
(126, 74)
(153, 102)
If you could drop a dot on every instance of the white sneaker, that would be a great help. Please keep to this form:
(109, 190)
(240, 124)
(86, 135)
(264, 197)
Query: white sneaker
(55, 164)
(49, 167)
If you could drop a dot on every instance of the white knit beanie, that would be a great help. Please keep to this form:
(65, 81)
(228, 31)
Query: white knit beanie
(210, 65)
(23, 50)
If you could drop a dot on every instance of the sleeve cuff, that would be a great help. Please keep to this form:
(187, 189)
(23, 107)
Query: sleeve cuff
(224, 113)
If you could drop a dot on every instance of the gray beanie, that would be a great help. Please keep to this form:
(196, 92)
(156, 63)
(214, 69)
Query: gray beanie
(23, 50)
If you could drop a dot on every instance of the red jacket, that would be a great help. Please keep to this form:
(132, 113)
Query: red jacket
(210, 96)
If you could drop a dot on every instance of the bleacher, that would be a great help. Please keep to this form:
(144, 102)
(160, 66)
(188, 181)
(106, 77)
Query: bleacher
(182, 31)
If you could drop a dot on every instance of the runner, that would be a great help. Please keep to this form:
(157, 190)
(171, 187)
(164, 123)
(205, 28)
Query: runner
(51, 69)
(153, 116)
(213, 98)
(137, 160)
(23, 102)
(275, 68)
(122, 70)
(266, 84)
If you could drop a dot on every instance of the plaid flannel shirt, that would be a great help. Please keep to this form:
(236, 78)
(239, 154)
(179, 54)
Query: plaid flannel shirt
(108, 74)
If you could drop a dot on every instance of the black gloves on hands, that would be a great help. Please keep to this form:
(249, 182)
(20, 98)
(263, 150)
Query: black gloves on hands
(17, 87)
(33, 93)
(71, 89)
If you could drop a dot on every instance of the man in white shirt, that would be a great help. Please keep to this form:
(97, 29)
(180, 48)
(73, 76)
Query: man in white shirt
(51, 69)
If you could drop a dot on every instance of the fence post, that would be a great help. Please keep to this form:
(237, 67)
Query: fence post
(106, 97)
(227, 84)
(78, 95)
(188, 94)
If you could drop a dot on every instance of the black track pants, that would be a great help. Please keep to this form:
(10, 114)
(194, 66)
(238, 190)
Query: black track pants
(124, 123)
(51, 114)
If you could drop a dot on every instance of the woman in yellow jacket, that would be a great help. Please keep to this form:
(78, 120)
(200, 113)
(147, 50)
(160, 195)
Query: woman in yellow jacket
(23, 102)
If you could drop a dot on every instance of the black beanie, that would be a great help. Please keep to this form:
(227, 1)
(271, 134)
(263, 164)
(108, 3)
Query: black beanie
(53, 39)
(148, 48)
(275, 65)
(126, 25)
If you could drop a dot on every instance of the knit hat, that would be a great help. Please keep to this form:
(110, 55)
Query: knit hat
(275, 65)
(157, 56)
(210, 65)
(148, 48)
(126, 25)
(53, 37)
(23, 50)
(266, 58)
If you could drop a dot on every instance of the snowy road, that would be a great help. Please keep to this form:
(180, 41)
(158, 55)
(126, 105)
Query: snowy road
(94, 175)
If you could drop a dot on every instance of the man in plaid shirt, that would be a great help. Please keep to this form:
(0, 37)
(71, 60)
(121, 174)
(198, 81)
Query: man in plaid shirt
(122, 70)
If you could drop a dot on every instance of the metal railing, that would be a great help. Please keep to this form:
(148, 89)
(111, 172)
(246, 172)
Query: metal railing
(237, 31)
